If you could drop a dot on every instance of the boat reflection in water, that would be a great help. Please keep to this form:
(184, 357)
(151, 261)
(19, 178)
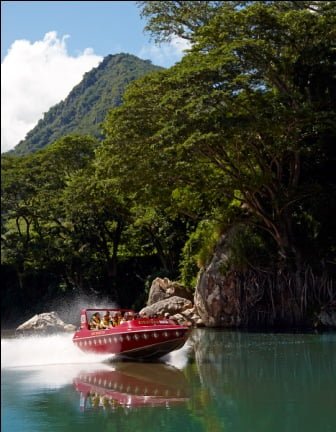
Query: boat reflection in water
(132, 385)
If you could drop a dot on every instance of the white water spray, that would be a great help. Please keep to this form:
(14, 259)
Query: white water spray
(58, 349)
(44, 350)
(178, 358)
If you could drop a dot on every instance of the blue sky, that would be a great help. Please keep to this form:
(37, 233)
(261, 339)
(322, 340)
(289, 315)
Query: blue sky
(47, 46)
(105, 26)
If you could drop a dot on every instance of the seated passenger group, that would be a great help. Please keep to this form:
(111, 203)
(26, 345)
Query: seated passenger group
(108, 321)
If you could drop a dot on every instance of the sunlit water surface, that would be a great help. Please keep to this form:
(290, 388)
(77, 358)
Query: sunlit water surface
(220, 381)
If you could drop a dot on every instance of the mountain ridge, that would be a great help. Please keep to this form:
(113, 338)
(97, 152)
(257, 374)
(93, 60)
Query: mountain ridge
(87, 104)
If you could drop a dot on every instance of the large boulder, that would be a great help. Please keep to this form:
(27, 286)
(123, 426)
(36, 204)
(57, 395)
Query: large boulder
(162, 289)
(48, 322)
(176, 308)
(170, 305)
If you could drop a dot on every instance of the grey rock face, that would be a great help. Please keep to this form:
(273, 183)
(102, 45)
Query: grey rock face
(162, 289)
(46, 322)
(170, 305)
(216, 298)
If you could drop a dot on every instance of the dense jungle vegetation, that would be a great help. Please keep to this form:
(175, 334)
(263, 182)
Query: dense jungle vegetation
(238, 138)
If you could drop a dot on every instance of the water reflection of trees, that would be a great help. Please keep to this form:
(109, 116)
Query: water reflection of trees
(272, 380)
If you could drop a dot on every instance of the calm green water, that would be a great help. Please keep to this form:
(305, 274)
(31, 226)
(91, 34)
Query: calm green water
(222, 381)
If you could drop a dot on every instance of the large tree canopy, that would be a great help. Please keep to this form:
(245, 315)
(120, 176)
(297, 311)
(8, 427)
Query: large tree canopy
(177, 18)
(249, 113)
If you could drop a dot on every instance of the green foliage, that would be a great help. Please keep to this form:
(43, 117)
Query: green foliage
(244, 113)
(176, 18)
(248, 249)
(160, 234)
(33, 221)
(198, 250)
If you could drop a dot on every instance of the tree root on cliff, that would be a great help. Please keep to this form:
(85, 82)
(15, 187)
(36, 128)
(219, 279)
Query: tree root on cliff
(282, 298)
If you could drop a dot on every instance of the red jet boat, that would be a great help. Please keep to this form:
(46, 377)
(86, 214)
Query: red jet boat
(137, 338)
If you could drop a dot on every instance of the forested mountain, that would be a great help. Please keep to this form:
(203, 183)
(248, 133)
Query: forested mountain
(88, 103)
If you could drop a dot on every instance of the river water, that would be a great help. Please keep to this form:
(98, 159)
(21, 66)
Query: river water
(219, 381)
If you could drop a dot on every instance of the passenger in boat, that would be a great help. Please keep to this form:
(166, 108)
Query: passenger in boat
(95, 321)
(128, 316)
(106, 321)
(116, 319)
(124, 318)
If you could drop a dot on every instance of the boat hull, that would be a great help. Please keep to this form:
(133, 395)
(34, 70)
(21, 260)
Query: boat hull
(133, 341)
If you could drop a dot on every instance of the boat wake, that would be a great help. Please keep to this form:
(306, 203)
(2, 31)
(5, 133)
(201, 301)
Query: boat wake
(52, 362)
(33, 351)
(57, 349)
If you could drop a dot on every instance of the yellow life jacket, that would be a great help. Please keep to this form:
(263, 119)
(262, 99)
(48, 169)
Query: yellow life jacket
(107, 321)
(95, 321)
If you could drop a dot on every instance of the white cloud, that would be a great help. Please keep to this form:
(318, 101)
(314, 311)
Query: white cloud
(165, 54)
(34, 77)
